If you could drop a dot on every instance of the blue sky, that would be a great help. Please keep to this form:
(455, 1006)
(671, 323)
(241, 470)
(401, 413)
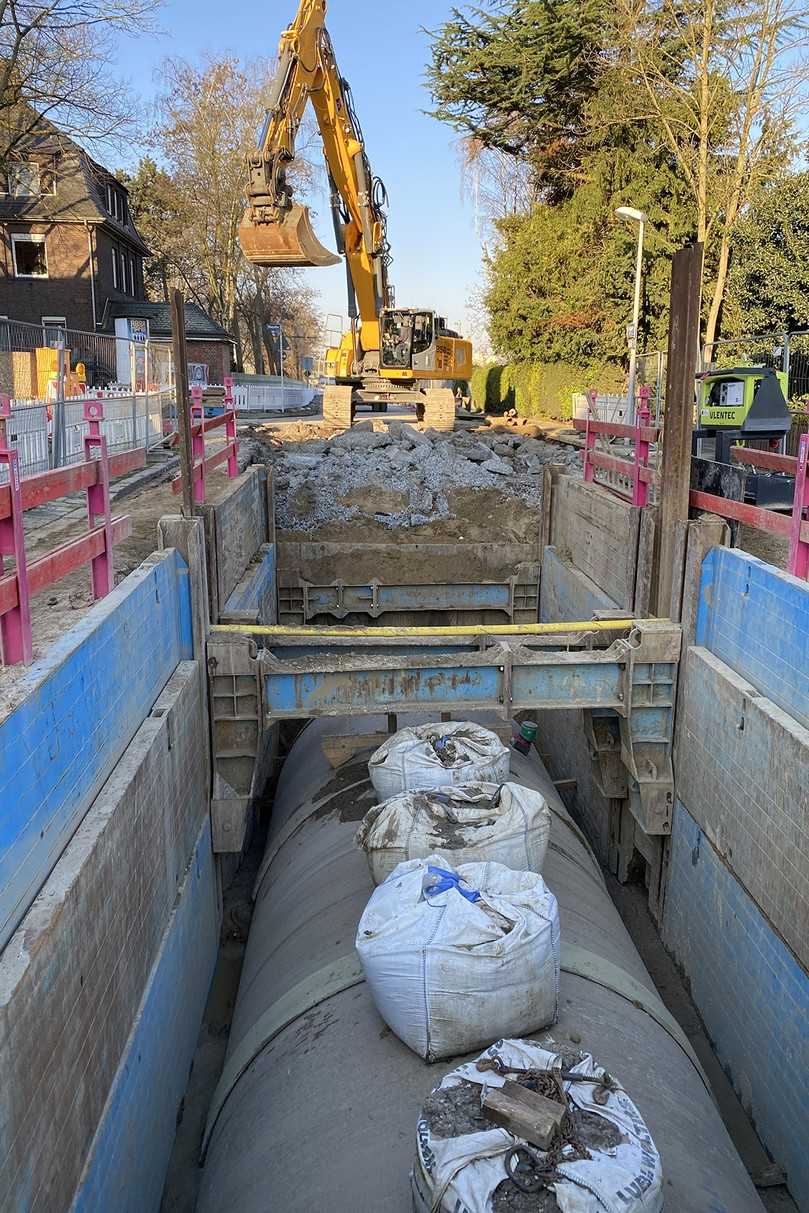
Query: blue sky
(381, 50)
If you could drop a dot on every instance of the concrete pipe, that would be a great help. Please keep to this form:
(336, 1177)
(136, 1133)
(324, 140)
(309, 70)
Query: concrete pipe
(318, 1101)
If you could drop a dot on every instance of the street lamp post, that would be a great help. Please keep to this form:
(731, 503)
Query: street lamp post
(634, 216)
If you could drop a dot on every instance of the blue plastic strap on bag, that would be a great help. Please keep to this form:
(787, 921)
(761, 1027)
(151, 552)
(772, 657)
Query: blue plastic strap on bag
(444, 881)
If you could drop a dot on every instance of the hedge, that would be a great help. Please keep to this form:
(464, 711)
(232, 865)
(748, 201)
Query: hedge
(537, 390)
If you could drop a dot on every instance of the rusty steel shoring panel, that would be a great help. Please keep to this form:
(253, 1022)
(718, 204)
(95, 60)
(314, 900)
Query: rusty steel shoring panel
(263, 675)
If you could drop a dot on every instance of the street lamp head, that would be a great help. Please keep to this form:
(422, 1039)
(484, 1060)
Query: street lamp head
(629, 212)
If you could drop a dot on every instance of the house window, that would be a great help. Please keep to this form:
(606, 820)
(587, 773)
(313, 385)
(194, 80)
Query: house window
(132, 275)
(23, 179)
(115, 269)
(116, 203)
(30, 260)
(123, 271)
(52, 326)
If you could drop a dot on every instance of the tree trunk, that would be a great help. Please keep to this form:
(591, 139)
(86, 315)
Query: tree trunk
(718, 291)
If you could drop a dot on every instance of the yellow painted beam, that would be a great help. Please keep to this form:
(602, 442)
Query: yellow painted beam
(391, 633)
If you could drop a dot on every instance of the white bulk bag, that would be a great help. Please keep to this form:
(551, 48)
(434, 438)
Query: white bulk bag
(622, 1175)
(435, 755)
(509, 824)
(454, 957)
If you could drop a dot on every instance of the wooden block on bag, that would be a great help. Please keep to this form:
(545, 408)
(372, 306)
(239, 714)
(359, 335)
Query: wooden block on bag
(524, 1113)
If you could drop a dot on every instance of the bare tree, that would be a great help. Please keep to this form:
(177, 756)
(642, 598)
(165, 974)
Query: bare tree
(722, 83)
(497, 183)
(208, 119)
(57, 61)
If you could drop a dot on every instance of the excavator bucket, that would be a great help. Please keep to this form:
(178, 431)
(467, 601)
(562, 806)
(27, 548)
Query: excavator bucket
(291, 243)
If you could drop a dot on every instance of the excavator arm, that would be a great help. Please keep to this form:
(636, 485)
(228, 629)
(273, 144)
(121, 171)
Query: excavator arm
(275, 231)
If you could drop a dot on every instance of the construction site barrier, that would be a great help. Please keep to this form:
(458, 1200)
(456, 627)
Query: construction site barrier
(95, 547)
(629, 480)
(200, 426)
(274, 395)
(632, 479)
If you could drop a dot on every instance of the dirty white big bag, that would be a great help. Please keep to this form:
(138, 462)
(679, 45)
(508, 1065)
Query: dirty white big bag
(457, 957)
(435, 755)
(471, 823)
(622, 1175)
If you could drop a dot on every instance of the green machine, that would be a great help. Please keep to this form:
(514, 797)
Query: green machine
(738, 404)
(741, 402)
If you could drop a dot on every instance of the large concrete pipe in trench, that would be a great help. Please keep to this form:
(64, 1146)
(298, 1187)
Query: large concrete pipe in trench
(318, 1101)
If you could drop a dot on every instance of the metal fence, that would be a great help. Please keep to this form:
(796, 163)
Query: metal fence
(53, 436)
(270, 394)
(33, 366)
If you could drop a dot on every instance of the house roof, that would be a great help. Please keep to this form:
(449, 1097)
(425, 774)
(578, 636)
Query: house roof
(81, 188)
(197, 321)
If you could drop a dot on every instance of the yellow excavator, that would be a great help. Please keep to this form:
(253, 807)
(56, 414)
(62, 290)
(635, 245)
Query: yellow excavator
(391, 354)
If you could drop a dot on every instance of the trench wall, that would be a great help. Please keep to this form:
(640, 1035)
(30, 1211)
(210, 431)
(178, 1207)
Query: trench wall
(107, 964)
(597, 558)
(736, 912)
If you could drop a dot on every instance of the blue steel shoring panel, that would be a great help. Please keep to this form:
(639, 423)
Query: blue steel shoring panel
(80, 707)
(126, 1167)
(751, 992)
(756, 619)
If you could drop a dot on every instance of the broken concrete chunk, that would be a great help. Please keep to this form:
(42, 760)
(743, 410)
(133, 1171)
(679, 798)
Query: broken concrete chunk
(360, 440)
(498, 466)
(415, 436)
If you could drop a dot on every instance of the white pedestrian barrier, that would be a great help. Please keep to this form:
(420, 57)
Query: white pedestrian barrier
(435, 755)
(456, 956)
(604, 1161)
(506, 823)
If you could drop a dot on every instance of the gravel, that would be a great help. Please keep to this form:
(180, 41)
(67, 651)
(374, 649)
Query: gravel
(319, 481)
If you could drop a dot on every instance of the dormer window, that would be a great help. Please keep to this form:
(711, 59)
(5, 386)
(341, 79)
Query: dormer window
(116, 202)
(23, 179)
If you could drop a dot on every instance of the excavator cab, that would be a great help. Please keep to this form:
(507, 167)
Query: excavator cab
(416, 344)
(289, 242)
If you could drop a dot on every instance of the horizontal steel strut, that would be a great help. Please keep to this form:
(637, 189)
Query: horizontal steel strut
(305, 672)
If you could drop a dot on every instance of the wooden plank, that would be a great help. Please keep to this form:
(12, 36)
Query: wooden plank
(675, 465)
(340, 749)
(598, 533)
(624, 467)
(751, 515)
(614, 429)
(644, 564)
(210, 462)
(61, 561)
(770, 461)
(49, 486)
(527, 1114)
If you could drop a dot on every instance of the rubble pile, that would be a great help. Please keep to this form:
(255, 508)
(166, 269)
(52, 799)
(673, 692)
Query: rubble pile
(408, 474)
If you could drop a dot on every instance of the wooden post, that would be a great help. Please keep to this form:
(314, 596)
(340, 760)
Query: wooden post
(182, 399)
(678, 424)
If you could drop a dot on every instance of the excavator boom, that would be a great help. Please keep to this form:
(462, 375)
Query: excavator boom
(389, 347)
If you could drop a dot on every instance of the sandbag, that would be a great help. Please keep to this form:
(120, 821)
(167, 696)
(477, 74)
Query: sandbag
(455, 956)
(436, 755)
(461, 1156)
(508, 824)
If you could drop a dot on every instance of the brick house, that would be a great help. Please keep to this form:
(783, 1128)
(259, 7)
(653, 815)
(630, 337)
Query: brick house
(70, 255)
(210, 347)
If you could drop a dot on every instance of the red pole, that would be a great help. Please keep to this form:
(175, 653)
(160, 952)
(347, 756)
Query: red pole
(640, 489)
(798, 563)
(198, 445)
(102, 569)
(15, 625)
(230, 428)
(589, 440)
